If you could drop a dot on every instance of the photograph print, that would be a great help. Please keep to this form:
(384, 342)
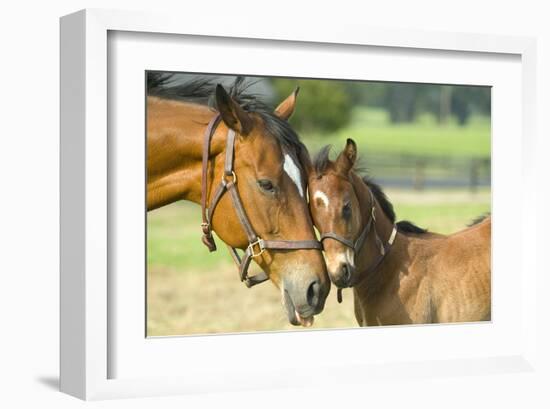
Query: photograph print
(296, 203)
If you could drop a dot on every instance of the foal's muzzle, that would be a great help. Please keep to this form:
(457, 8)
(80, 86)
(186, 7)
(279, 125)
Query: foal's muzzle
(343, 276)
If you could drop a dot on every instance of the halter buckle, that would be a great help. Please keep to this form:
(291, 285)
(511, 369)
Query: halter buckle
(226, 175)
(205, 228)
(260, 244)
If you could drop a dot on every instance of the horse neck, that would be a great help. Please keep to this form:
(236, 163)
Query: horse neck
(371, 281)
(175, 135)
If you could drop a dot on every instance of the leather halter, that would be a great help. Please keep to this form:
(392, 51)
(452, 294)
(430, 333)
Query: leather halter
(256, 245)
(358, 243)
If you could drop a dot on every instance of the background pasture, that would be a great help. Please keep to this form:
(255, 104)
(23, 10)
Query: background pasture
(434, 169)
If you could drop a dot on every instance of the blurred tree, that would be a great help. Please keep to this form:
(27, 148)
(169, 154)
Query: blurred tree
(467, 100)
(405, 101)
(402, 101)
(367, 93)
(323, 106)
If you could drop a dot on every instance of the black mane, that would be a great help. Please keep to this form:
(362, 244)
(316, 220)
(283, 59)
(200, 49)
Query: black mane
(157, 80)
(322, 162)
(201, 90)
(405, 226)
(479, 219)
(381, 198)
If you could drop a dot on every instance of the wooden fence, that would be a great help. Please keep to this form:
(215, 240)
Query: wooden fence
(421, 172)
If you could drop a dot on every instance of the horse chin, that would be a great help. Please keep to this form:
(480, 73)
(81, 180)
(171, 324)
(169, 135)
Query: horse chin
(293, 316)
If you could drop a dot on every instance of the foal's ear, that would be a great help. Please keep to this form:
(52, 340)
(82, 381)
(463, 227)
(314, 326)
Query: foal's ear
(346, 159)
(231, 112)
(286, 108)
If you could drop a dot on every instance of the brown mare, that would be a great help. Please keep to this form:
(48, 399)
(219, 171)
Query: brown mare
(400, 273)
(268, 167)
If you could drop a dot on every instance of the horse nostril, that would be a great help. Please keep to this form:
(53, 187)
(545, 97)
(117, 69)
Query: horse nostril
(346, 273)
(313, 294)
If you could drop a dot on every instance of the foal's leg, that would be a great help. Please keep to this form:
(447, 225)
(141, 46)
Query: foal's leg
(423, 311)
(359, 315)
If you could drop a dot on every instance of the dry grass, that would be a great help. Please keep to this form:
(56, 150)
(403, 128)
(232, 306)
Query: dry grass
(217, 302)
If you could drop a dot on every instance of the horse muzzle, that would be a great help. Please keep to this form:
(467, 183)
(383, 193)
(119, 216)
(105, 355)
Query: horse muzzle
(303, 299)
(344, 275)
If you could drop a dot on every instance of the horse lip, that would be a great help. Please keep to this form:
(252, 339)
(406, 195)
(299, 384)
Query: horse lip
(309, 312)
(290, 309)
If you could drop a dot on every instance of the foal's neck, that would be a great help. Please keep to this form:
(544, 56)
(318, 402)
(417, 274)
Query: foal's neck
(175, 135)
(371, 281)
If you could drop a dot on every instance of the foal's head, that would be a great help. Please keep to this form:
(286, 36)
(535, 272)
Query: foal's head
(335, 207)
(269, 164)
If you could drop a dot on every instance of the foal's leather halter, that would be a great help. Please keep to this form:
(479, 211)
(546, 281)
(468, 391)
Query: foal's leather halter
(256, 245)
(358, 243)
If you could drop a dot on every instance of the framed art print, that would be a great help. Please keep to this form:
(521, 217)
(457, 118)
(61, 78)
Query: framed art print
(229, 191)
(434, 159)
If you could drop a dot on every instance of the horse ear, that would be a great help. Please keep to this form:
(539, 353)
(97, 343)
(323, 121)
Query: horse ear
(231, 112)
(287, 107)
(347, 158)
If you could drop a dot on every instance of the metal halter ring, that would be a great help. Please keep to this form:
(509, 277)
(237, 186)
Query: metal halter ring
(260, 244)
(225, 175)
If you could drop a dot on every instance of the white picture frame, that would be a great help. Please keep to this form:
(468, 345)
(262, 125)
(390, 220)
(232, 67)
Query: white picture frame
(86, 331)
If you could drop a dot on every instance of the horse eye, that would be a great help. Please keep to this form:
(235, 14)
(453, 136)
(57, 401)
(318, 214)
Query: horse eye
(346, 210)
(266, 185)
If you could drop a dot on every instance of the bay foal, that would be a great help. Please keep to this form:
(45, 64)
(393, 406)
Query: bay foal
(400, 273)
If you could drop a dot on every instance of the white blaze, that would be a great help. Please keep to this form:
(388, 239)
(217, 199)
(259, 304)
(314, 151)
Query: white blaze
(294, 172)
(322, 197)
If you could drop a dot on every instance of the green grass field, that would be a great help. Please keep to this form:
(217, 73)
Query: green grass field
(373, 133)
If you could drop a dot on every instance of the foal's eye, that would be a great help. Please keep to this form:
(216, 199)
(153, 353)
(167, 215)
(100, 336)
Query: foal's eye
(266, 185)
(346, 210)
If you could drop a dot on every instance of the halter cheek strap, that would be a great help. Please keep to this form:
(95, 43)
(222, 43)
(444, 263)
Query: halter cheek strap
(207, 238)
(354, 245)
(256, 245)
(357, 244)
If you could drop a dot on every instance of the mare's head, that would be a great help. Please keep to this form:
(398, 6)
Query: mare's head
(335, 207)
(270, 163)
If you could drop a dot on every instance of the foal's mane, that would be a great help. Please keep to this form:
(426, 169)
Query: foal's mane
(479, 219)
(201, 90)
(322, 163)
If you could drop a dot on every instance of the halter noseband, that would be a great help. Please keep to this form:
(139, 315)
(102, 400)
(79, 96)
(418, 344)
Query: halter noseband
(256, 245)
(356, 244)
